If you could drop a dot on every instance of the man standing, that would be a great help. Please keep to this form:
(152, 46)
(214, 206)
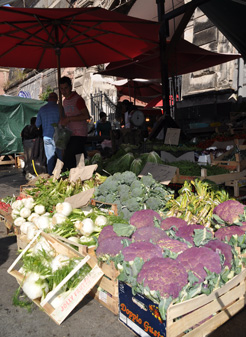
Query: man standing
(49, 114)
(76, 116)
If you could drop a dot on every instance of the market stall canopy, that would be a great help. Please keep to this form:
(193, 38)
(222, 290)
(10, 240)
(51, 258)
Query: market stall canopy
(140, 90)
(184, 58)
(41, 38)
(15, 114)
(229, 16)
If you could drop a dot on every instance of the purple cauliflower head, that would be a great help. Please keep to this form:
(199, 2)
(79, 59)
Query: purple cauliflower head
(149, 233)
(110, 246)
(229, 211)
(173, 221)
(144, 250)
(173, 245)
(226, 232)
(144, 217)
(196, 258)
(106, 232)
(187, 232)
(165, 275)
(222, 248)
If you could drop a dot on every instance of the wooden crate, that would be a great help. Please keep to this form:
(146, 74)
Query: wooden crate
(22, 241)
(83, 288)
(192, 318)
(106, 291)
(213, 310)
(82, 249)
(8, 220)
(105, 206)
(232, 165)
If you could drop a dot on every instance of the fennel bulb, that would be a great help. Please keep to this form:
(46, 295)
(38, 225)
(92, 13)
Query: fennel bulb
(19, 221)
(101, 221)
(34, 287)
(39, 209)
(24, 226)
(31, 232)
(28, 202)
(17, 204)
(87, 227)
(64, 208)
(42, 222)
(58, 218)
(59, 261)
(25, 212)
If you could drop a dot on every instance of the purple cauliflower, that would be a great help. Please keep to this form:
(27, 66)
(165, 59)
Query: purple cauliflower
(229, 211)
(173, 245)
(187, 232)
(173, 221)
(148, 234)
(110, 246)
(106, 232)
(144, 250)
(196, 258)
(165, 275)
(223, 248)
(144, 217)
(226, 232)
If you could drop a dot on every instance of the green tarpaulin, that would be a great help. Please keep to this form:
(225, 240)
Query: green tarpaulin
(15, 114)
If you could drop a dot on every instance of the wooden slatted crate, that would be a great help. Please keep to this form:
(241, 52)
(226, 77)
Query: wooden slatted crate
(106, 290)
(195, 317)
(59, 313)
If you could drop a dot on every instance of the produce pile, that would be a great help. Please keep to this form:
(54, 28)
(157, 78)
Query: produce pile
(168, 260)
(131, 193)
(169, 248)
(128, 159)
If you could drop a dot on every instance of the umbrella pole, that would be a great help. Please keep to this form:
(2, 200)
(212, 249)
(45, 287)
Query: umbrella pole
(163, 56)
(58, 54)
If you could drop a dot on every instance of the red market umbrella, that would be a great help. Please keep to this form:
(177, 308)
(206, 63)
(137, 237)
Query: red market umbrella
(41, 38)
(80, 37)
(185, 58)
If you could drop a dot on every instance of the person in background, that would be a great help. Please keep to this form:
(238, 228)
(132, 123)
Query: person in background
(28, 135)
(49, 114)
(126, 111)
(103, 127)
(76, 116)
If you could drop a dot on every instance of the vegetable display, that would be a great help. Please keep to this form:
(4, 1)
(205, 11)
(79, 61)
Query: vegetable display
(197, 206)
(132, 194)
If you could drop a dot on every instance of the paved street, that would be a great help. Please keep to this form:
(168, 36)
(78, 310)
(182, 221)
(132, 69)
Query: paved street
(89, 319)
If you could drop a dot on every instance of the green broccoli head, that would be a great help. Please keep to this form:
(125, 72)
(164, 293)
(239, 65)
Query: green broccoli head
(153, 203)
(136, 184)
(148, 180)
(132, 205)
(137, 192)
(128, 177)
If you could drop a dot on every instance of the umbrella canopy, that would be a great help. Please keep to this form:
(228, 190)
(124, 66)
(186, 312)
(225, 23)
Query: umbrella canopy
(140, 90)
(80, 37)
(185, 58)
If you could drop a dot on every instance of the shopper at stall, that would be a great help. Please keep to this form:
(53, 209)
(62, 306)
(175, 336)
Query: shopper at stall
(126, 111)
(103, 127)
(47, 116)
(29, 134)
(76, 116)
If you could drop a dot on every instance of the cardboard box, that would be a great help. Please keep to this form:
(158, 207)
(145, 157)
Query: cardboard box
(197, 317)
